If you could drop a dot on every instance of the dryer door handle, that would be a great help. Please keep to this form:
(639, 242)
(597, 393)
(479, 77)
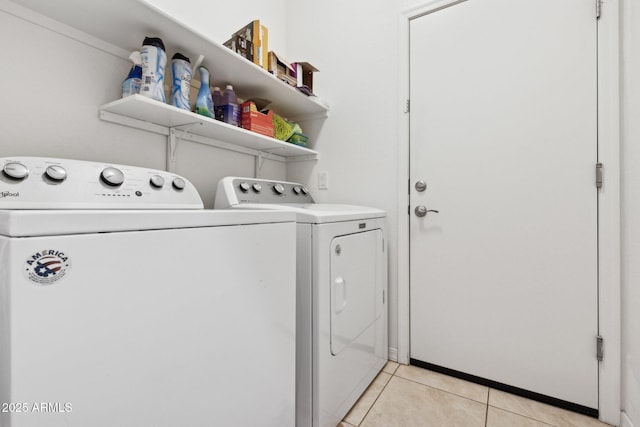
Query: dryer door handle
(340, 294)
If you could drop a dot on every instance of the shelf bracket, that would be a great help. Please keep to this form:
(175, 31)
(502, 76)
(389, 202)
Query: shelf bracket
(172, 145)
(187, 126)
(132, 123)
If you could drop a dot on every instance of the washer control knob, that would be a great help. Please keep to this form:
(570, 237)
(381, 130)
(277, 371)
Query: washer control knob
(156, 181)
(278, 188)
(296, 190)
(15, 170)
(244, 187)
(178, 183)
(257, 187)
(304, 190)
(112, 176)
(56, 173)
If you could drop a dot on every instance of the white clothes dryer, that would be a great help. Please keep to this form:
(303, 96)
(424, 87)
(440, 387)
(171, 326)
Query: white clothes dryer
(341, 275)
(124, 303)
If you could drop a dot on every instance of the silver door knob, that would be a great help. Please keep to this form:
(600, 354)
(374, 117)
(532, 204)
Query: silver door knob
(421, 186)
(422, 211)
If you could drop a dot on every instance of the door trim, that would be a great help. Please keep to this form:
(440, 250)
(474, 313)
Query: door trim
(608, 198)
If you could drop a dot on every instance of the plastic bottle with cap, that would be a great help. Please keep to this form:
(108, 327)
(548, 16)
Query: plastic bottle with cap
(204, 104)
(131, 85)
(216, 97)
(181, 71)
(230, 106)
(154, 60)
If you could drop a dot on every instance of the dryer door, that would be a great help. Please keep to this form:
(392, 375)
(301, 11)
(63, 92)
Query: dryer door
(356, 286)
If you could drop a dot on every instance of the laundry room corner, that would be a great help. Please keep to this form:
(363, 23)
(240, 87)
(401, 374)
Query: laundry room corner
(62, 74)
(358, 78)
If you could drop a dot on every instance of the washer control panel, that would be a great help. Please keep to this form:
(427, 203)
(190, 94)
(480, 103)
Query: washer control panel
(47, 183)
(234, 190)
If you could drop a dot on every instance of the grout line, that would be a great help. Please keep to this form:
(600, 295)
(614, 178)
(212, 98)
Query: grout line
(375, 400)
(379, 394)
(486, 410)
(521, 415)
(444, 391)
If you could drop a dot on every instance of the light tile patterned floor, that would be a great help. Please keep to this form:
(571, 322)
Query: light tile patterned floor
(408, 396)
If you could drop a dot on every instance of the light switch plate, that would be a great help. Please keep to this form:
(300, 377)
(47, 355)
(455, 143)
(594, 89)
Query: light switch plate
(323, 180)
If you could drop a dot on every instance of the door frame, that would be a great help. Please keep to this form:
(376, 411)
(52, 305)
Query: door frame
(609, 232)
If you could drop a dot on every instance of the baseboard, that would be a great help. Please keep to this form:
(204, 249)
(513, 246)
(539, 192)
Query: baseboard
(393, 354)
(625, 421)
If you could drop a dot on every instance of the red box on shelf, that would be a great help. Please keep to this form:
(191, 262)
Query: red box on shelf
(255, 121)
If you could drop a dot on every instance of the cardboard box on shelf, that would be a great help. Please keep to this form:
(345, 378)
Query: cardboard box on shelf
(303, 72)
(255, 121)
(241, 46)
(258, 36)
(282, 69)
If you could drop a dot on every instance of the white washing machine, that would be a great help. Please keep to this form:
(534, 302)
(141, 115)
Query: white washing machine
(124, 303)
(341, 299)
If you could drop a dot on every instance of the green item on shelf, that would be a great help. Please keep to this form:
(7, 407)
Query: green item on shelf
(298, 138)
(282, 129)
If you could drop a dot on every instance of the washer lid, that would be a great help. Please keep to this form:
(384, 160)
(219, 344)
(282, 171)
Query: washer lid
(320, 213)
(23, 223)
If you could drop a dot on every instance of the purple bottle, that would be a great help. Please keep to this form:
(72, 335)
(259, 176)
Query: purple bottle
(230, 107)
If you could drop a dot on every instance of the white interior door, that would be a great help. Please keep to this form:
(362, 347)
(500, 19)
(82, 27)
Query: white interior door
(503, 133)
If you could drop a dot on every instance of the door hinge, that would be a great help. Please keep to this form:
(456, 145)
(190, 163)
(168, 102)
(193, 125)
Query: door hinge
(599, 175)
(599, 348)
(407, 106)
(598, 8)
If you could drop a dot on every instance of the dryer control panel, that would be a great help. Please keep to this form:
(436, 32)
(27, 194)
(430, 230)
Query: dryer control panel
(47, 183)
(236, 190)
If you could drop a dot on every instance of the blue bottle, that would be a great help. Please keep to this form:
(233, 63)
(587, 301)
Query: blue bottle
(131, 85)
(181, 71)
(204, 104)
(154, 60)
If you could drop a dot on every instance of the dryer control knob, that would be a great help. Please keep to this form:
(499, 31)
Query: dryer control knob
(178, 183)
(15, 170)
(296, 190)
(305, 191)
(257, 187)
(244, 187)
(156, 181)
(56, 173)
(278, 188)
(112, 176)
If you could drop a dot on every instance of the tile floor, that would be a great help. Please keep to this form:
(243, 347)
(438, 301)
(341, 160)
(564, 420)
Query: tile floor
(408, 396)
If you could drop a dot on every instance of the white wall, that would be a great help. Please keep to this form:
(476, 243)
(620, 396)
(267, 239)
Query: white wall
(354, 44)
(219, 20)
(631, 210)
(52, 87)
